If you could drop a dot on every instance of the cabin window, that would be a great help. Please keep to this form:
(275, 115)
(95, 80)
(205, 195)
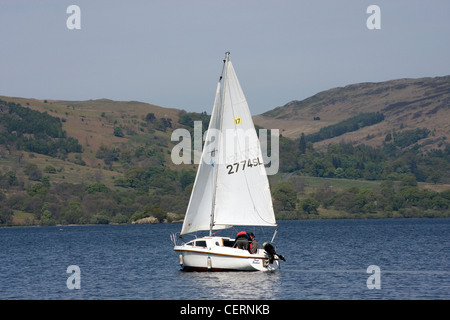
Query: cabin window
(200, 243)
(228, 243)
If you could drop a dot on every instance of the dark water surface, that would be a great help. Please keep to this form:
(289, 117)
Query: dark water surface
(325, 260)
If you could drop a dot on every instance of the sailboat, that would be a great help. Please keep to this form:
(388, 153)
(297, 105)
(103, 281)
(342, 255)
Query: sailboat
(230, 189)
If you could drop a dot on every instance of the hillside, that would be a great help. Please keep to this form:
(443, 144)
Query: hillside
(92, 122)
(405, 103)
(104, 161)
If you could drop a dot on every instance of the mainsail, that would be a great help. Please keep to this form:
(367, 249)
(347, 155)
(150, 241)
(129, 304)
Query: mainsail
(231, 187)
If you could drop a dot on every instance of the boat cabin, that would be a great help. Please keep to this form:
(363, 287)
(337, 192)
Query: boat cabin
(209, 242)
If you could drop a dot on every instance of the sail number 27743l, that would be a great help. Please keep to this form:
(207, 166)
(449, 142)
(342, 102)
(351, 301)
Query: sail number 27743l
(241, 165)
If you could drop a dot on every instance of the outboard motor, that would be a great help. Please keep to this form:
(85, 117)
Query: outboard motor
(271, 252)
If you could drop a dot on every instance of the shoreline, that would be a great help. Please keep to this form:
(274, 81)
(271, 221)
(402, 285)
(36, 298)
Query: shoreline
(312, 217)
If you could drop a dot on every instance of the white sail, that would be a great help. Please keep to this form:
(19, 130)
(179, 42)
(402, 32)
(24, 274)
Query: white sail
(231, 186)
(243, 194)
(198, 214)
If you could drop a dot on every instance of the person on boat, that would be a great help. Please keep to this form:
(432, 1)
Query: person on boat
(246, 240)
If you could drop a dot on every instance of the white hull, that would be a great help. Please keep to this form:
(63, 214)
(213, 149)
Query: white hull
(216, 256)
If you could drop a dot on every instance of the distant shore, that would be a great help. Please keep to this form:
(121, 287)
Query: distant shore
(323, 215)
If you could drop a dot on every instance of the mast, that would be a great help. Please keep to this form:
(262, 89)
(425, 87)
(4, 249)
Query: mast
(222, 77)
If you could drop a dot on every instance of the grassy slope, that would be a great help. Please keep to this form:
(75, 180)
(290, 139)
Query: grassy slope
(406, 104)
(92, 122)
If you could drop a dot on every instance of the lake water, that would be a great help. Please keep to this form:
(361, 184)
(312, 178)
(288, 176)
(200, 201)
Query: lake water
(325, 260)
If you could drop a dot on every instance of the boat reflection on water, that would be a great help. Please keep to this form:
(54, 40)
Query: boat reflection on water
(233, 285)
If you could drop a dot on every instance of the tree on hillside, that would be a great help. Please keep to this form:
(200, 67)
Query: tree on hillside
(118, 132)
(285, 196)
(302, 144)
(309, 205)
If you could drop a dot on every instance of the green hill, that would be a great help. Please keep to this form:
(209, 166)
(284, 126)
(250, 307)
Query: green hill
(406, 104)
(368, 150)
(97, 161)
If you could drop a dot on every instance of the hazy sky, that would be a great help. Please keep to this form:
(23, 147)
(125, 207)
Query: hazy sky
(170, 53)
